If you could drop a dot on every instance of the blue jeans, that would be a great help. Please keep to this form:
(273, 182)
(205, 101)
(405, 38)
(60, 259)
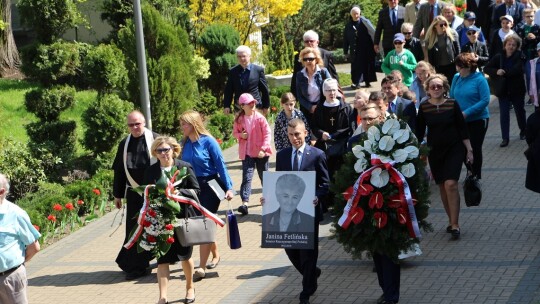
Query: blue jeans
(248, 168)
(519, 108)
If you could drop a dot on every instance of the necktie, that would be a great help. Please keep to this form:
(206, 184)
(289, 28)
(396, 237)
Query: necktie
(295, 166)
(430, 14)
(394, 18)
(393, 107)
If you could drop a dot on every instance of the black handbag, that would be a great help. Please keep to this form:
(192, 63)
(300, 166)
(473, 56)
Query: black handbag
(472, 190)
(497, 84)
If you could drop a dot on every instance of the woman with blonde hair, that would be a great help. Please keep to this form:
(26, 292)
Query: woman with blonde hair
(309, 81)
(450, 13)
(202, 151)
(442, 47)
(166, 150)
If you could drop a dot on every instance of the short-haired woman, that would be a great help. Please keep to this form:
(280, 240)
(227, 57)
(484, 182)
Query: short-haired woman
(166, 150)
(471, 90)
(509, 65)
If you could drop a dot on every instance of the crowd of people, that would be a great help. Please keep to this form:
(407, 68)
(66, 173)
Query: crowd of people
(434, 64)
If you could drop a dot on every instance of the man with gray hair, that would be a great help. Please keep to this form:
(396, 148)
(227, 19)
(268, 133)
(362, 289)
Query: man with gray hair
(246, 77)
(311, 39)
(18, 244)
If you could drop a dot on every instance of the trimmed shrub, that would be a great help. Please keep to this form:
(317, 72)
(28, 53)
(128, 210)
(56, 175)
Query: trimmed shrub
(56, 63)
(47, 104)
(219, 42)
(56, 137)
(207, 104)
(105, 123)
(39, 204)
(104, 69)
(223, 123)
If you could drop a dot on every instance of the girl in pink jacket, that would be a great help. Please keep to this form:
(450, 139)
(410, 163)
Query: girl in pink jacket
(253, 134)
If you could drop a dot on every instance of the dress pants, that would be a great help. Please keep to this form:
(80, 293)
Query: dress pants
(13, 287)
(129, 260)
(388, 274)
(519, 108)
(477, 133)
(305, 261)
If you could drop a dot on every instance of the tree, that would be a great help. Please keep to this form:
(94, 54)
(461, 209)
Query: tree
(9, 56)
(50, 18)
(241, 14)
(172, 83)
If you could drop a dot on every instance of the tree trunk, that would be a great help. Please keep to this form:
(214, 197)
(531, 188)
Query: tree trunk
(9, 55)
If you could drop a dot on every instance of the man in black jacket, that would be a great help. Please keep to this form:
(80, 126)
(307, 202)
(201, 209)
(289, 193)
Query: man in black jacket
(483, 13)
(246, 77)
(389, 24)
(311, 39)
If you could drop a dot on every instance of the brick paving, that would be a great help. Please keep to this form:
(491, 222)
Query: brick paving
(496, 260)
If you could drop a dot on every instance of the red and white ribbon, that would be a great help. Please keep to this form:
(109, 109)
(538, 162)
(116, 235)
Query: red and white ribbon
(351, 211)
(142, 217)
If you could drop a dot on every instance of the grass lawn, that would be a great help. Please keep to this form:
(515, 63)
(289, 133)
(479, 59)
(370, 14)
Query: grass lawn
(13, 114)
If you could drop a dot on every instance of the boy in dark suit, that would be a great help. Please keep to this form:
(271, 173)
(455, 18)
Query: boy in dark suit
(308, 159)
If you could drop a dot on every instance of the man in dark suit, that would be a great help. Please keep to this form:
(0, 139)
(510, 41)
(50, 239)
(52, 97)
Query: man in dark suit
(389, 24)
(243, 78)
(402, 107)
(483, 10)
(311, 39)
(308, 159)
(427, 12)
(509, 7)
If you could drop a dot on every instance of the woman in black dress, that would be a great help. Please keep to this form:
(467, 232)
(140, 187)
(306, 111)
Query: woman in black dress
(166, 150)
(448, 141)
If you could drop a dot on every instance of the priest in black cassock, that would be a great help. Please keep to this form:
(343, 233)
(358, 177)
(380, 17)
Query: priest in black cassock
(357, 39)
(332, 128)
(132, 159)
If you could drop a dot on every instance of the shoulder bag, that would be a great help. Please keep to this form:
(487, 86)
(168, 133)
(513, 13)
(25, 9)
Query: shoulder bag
(471, 189)
(195, 230)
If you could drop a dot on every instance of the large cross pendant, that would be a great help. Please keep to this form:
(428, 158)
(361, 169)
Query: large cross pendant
(332, 121)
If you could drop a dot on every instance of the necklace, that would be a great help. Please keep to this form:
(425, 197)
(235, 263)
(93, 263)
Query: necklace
(437, 104)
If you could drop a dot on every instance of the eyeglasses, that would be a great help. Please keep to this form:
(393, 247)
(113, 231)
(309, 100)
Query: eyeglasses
(398, 42)
(136, 124)
(310, 41)
(443, 25)
(310, 59)
(163, 150)
(471, 33)
(407, 33)
(435, 87)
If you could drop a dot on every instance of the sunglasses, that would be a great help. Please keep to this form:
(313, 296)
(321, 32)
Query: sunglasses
(398, 42)
(443, 25)
(471, 33)
(131, 125)
(407, 33)
(435, 87)
(309, 59)
(163, 150)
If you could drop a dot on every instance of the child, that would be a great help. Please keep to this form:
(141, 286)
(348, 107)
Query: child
(474, 45)
(529, 33)
(253, 134)
(281, 140)
(497, 38)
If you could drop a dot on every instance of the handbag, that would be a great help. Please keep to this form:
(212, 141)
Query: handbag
(471, 189)
(233, 234)
(195, 230)
(497, 84)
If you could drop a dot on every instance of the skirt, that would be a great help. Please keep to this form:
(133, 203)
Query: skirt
(446, 162)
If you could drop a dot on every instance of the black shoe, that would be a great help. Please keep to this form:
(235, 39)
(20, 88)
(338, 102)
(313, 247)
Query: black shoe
(304, 301)
(243, 209)
(137, 274)
(455, 233)
(504, 143)
(388, 302)
(354, 86)
(188, 300)
(368, 85)
(449, 229)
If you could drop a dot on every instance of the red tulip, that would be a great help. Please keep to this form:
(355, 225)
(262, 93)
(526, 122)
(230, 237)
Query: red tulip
(96, 191)
(51, 218)
(146, 224)
(376, 200)
(36, 226)
(169, 227)
(70, 207)
(170, 240)
(380, 219)
(151, 213)
(57, 207)
(80, 202)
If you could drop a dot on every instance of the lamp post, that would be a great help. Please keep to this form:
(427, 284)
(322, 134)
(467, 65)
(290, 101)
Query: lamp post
(141, 63)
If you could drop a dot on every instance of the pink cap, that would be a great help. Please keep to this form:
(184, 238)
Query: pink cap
(246, 98)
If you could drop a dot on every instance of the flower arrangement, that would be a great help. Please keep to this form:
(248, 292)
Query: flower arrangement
(384, 210)
(461, 7)
(157, 219)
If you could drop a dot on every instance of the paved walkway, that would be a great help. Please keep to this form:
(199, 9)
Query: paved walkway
(496, 260)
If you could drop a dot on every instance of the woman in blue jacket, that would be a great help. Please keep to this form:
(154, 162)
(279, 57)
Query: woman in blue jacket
(471, 90)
